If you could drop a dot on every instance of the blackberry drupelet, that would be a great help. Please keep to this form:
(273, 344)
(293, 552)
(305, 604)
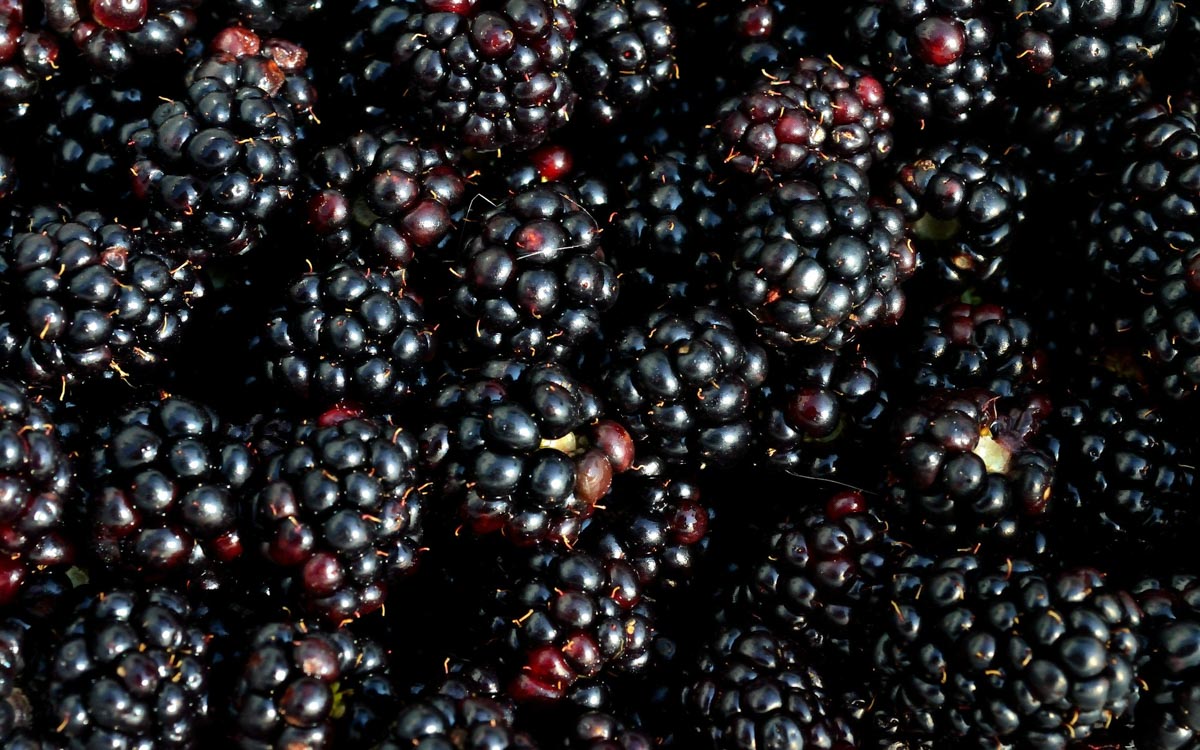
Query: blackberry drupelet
(1172, 323)
(491, 75)
(818, 262)
(941, 59)
(1126, 477)
(216, 164)
(970, 467)
(1086, 50)
(37, 484)
(349, 334)
(385, 196)
(596, 730)
(165, 492)
(624, 53)
(658, 524)
(1006, 655)
(818, 576)
(794, 119)
(1168, 714)
(85, 298)
(532, 281)
(1151, 210)
(821, 413)
(524, 450)
(684, 383)
(964, 203)
(973, 345)
(29, 58)
(88, 140)
(298, 687)
(114, 37)
(755, 688)
(131, 670)
(567, 618)
(340, 512)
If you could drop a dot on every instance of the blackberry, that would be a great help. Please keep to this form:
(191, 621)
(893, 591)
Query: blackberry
(796, 118)
(817, 262)
(37, 484)
(444, 722)
(819, 575)
(533, 281)
(965, 205)
(113, 37)
(755, 688)
(524, 450)
(132, 669)
(219, 162)
(385, 196)
(298, 687)
(349, 334)
(29, 57)
(625, 52)
(1172, 323)
(85, 297)
(272, 15)
(973, 345)
(1151, 208)
(1167, 713)
(491, 75)
(658, 524)
(340, 512)
(970, 467)
(771, 34)
(1126, 470)
(1083, 50)
(87, 142)
(942, 59)
(821, 411)
(569, 617)
(684, 383)
(165, 492)
(18, 719)
(1006, 654)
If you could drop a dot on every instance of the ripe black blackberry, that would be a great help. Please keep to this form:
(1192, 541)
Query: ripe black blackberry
(1167, 715)
(817, 262)
(970, 467)
(524, 450)
(941, 59)
(87, 142)
(972, 345)
(29, 57)
(822, 413)
(491, 75)
(1126, 477)
(819, 575)
(965, 203)
(684, 383)
(624, 53)
(469, 722)
(218, 163)
(1004, 654)
(1082, 50)
(1172, 323)
(532, 281)
(132, 669)
(165, 492)
(18, 692)
(771, 34)
(567, 617)
(796, 118)
(349, 334)
(383, 195)
(300, 686)
(113, 37)
(754, 687)
(340, 512)
(658, 524)
(86, 298)
(1139, 222)
(272, 15)
(37, 484)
